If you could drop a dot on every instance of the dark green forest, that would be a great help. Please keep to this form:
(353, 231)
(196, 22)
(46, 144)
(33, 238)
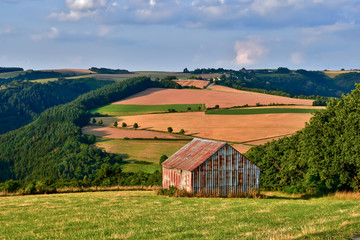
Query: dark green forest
(10, 69)
(53, 147)
(323, 157)
(109, 70)
(284, 82)
(21, 102)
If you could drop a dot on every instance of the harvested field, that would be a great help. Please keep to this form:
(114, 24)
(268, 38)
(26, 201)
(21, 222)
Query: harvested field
(69, 71)
(333, 74)
(233, 128)
(192, 83)
(121, 133)
(255, 110)
(159, 96)
(241, 147)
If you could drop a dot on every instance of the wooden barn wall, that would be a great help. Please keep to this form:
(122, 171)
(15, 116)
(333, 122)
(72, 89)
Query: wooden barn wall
(226, 172)
(178, 178)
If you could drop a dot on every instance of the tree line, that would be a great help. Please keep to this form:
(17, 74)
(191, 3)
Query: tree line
(322, 157)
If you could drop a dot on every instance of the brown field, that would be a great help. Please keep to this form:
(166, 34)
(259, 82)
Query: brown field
(159, 96)
(192, 82)
(120, 133)
(69, 71)
(232, 128)
(333, 74)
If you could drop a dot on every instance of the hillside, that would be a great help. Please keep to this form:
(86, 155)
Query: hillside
(54, 148)
(322, 157)
(143, 215)
(21, 102)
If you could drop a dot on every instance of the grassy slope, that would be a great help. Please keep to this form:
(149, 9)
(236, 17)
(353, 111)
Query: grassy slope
(119, 109)
(142, 215)
(141, 150)
(240, 111)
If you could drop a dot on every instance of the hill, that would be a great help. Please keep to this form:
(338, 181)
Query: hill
(54, 148)
(322, 157)
(21, 102)
(143, 215)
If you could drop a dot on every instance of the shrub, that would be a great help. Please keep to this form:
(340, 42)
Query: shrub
(163, 158)
(182, 131)
(170, 130)
(124, 124)
(11, 186)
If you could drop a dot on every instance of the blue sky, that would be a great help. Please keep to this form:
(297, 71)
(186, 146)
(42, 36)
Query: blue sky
(174, 34)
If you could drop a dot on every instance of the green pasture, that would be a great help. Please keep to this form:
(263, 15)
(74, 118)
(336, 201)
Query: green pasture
(12, 74)
(121, 110)
(251, 111)
(143, 215)
(149, 151)
(46, 80)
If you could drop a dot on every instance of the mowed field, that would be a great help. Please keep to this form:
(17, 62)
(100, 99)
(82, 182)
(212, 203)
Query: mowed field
(233, 128)
(133, 151)
(120, 109)
(159, 96)
(143, 215)
(333, 74)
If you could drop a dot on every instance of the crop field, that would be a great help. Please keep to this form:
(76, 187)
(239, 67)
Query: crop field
(251, 111)
(148, 151)
(143, 215)
(121, 133)
(333, 74)
(159, 96)
(192, 83)
(120, 109)
(231, 128)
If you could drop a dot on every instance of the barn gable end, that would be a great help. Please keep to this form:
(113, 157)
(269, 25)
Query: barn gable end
(211, 167)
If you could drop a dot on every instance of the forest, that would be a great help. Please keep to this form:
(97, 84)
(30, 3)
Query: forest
(52, 149)
(21, 102)
(109, 70)
(322, 157)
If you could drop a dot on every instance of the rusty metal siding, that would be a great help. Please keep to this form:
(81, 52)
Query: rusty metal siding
(193, 154)
(226, 172)
(177, 178)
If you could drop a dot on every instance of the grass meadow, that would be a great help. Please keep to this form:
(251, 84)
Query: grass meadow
(251, 111)
(149, 151)
(122, 110)
(143, 215)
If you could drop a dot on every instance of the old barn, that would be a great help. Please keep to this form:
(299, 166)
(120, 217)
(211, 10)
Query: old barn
(211, 167)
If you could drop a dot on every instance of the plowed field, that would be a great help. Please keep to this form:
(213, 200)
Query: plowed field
(159, 96)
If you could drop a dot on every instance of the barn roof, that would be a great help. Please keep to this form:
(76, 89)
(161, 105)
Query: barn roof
(193, 154)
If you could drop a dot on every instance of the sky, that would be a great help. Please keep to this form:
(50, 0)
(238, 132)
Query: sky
(143, 35)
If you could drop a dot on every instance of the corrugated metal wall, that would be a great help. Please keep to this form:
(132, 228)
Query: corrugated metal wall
(178, 178)
(226, 172)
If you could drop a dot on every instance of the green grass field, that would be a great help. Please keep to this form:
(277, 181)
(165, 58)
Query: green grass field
(143, 215)
(250, 111)
(122, 110)
(141, 150)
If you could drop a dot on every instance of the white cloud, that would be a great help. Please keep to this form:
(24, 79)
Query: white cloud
(4, 31)
(84, 5)
(249, 51)
(152, 3)
(79, 9)
(53, 33)
(339, 26)
(297, 58)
